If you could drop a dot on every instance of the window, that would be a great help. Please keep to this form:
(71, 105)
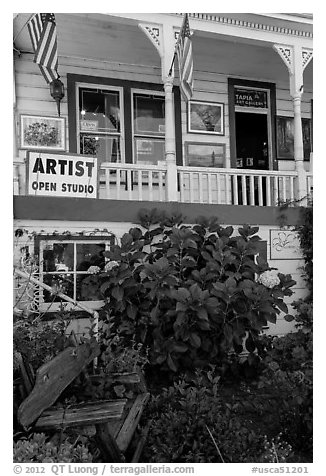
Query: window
(68, 264)
(120, 120)
(148, 127)
(100, 125)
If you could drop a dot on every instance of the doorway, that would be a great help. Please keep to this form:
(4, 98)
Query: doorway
(252, 148)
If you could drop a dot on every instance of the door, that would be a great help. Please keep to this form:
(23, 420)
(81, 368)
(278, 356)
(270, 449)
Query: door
(251, 141)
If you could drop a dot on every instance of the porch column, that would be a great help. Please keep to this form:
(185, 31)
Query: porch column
(296, 59)
(163, 38)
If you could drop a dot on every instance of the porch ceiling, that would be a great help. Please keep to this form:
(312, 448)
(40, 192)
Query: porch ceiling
(105, 38)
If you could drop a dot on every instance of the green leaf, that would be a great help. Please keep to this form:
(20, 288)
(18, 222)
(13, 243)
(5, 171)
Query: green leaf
(288, 317)
(117, 293)
(281, 305)
(202, 314)
(171, 363)
(195, 340)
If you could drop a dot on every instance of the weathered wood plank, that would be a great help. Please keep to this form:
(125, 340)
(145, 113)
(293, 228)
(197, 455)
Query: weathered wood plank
(141, 443)
(83, 414)
(108, 445)
(51, 380)
(129, 426)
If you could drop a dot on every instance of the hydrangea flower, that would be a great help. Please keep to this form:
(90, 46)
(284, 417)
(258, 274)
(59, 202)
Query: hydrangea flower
(93, 270)
(110, 265)
(269, 278)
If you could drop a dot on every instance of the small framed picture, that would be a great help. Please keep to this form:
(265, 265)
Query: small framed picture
(42, 133)
(285, 138)
(199, 154)
(206, 117)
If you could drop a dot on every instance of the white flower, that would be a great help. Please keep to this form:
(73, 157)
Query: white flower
(110, 265)
(93, 270)
(269, 279)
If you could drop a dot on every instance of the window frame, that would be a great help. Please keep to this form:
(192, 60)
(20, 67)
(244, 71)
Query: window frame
(127, 86)
(108, 240)
(121, 134)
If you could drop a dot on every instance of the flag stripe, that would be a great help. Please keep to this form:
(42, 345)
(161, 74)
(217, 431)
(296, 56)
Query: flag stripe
(184, 53)
(43, 35)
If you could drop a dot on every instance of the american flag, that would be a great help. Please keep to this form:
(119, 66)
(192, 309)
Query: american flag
(43, 33)
(184, 52)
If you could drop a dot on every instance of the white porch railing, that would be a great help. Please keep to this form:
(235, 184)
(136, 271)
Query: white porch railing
(132, 182)
(235, 186)
(141, 182)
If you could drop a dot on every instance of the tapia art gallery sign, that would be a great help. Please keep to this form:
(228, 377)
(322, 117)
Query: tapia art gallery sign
(61, 175)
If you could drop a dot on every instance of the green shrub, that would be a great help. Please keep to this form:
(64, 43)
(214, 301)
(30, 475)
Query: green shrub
(189, 293)
(38, 341)
(194, 422)
(36, 449)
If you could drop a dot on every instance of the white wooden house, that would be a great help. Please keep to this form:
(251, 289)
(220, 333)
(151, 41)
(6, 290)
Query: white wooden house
(126, 139)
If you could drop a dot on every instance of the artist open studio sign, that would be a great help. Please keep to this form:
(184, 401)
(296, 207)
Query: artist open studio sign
(61, 175)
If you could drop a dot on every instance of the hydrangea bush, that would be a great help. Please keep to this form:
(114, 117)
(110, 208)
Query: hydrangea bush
(192, 294)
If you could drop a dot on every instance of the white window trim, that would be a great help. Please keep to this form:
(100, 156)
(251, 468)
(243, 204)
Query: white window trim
(121, 134)
(152, 92)
(57, 306)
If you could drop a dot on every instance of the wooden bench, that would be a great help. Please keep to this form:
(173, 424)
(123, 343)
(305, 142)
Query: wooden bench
(115, 420)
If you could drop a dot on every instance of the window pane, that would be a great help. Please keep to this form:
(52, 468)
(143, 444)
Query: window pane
(105, 148)
(58, 257)
(99, 110)
(149, 151)
(88, 288)
(90, 254)
(63, 283)
(149, 114)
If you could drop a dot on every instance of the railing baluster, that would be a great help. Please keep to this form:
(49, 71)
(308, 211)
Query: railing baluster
(150, 185)
(209, 187)
(200, 187)
(107, 183)
(118, 184)
(235, 189)
(268, 191)
(218, 186)
(160, 186)
(260, 190)
(252, 189)
(140, 185)
(244, 189)
(129, 184)
(275, 190)
(291, 189)
(191, 187)
(284, 189)
(181, 180)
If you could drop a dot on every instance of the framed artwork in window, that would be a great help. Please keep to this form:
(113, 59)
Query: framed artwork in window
(200, 154)
(206, 117)
(285, 138)
(42, 133)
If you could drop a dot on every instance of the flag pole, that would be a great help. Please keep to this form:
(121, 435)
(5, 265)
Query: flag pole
(170, 70)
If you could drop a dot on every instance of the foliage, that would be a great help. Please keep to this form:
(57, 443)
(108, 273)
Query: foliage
(182, 415)
(288, 380)
(189, 293)
(36, 449)
(38, 341)
(305, 232)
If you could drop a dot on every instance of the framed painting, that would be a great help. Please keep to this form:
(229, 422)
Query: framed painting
(206, 117)
(285, 138)
(42, 133)
(200, 154)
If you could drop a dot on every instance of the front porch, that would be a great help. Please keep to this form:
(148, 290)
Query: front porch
(168, 182)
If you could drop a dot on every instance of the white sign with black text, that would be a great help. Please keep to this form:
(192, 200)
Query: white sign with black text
(61, 175)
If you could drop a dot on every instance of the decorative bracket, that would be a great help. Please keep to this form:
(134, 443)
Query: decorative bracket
(306, 57)
(286, 53)
(154, 33)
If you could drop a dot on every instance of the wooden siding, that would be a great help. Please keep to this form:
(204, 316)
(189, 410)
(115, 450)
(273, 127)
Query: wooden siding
(214, 61)
(292, 267)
